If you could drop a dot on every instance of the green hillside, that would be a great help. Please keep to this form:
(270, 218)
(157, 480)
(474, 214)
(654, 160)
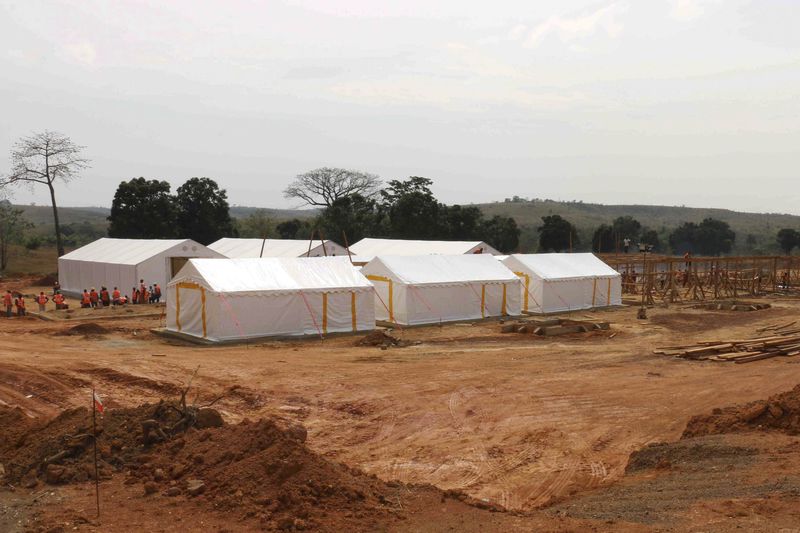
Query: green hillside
(755, 232)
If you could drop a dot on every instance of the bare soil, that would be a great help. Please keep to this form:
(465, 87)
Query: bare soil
(457, 422)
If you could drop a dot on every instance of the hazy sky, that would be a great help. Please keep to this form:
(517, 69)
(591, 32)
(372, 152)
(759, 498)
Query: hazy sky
(693, 102)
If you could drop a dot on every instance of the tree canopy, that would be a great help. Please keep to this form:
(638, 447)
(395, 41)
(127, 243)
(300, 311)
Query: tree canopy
(556, 234)
(323, 186)
(203, 211)
(787, 239)
(710, 237)
(143, 209)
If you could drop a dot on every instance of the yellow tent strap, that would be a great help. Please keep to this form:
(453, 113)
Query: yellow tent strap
(503, 310)
(483, 301)
(325, 313)
(527, 288)
(594, 291)
(608, 293)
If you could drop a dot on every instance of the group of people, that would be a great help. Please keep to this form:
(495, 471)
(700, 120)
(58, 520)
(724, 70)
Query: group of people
(11, 300)
(142, 294)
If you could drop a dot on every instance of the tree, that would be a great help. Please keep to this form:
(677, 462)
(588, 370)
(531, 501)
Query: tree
(354, 216)
(788, 239)
(46, 158)
(142, 209)
(12, 226)
(323, 186)
(710, 237)
(603, 240)
(257, 225)
(556, 234)
(411, 210)
(650, 236)
(294, 229)
(627, 227)
(464, 223)
(203, 212)
(500, 232)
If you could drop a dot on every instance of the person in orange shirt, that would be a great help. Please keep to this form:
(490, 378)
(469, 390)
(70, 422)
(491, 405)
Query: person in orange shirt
(115, 296)
(145, 297)
(86, 299)
(156, 293)
(42, 301)
(58, 299)
(20, 305)
(104, 297)
(8, 302)
(93, 297)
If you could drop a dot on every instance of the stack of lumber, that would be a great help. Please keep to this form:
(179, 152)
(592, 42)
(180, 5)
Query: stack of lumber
(780, 343)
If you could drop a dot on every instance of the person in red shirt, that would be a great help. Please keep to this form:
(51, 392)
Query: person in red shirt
(142, 292)
(8, 302)
(104, 297)
(115, 296)
(42, 301)
(156, 293)
(86, 299)
(20, 305)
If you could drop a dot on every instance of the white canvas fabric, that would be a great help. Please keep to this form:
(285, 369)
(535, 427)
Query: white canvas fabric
(554, 283)
(244, 248)
(123, 262)
(367, 249)
(431, 289)
(231, 299)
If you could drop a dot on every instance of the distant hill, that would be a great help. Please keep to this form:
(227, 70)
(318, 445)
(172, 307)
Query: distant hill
(755, 232)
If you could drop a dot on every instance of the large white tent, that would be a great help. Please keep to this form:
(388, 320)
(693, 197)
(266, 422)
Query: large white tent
(231, 299)
(367, 249)
(554, 283)
(430, 289)
(123, 262)
(244, 248)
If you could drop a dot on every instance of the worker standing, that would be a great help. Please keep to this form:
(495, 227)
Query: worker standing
(156, 293)
(58, 299)
(42, 300)
(142, 292)
(8, 302)
(20, 305)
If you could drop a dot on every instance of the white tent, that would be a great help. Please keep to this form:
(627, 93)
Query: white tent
(229, 299)
(439, 288)
(367, 249)
(553, 283)
(243, 248)
(123, 262)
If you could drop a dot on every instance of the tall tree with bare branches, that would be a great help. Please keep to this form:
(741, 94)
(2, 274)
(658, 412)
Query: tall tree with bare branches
(323, 186)
(46, 158)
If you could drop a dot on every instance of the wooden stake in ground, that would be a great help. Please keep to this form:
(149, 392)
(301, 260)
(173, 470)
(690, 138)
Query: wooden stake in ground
(95, 404)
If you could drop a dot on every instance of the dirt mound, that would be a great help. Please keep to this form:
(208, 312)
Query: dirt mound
(46, 281)
(669, 455)
(256, 471)
(87, 329)
(781, 412)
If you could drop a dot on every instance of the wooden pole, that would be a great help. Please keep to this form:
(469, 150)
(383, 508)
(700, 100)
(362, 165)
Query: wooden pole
(347, 246)
(94, 440)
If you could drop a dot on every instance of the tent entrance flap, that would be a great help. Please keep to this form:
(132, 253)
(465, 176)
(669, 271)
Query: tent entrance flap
(190, 305)
(391, 293)
(527, 279)
(175, 265)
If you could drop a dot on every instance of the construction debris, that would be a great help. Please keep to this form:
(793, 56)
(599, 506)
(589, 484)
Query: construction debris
(553, 326)
(782, 343)
(732, 305)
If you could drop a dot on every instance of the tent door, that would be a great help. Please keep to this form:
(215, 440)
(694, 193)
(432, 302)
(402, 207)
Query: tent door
(176, 264)
(190, 308)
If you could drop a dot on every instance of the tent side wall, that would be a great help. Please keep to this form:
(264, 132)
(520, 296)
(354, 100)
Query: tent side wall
(582, 293)
(74, 276)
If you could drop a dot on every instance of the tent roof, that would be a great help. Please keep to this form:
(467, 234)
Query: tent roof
(273, 274)
(563, 266)
(369, 248)
(443, 269)
(127, 251)
(242, 248)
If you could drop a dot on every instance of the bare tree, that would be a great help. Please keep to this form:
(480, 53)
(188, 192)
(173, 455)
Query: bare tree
(323, 186)
(46, 158)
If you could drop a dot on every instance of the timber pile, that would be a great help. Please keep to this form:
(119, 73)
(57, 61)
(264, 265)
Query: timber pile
(732, 305)
(778, 344)
(553, 326)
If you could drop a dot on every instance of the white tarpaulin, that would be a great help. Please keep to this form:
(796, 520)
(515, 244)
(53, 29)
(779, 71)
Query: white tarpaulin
(430, 289)
(228, 299)
(123, 262)
(244, 248)
(367, 249)
(553, 283)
